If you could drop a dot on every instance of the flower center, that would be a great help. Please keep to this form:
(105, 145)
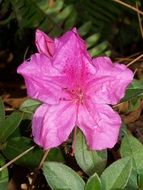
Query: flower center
(78, 95)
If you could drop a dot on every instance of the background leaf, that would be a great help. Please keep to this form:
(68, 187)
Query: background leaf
(60, 176)
(3, 175)
(89, 161)
(140, 181)
(29, 106)
(117, 174)
(93, 183)
(55, 154)
(16, 146)
(9, 125)
(131, 147)
(134, 90)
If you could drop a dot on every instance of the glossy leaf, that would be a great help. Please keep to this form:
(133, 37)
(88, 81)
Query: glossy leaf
(89, 161)
(60, 176)
(132, 148)
(9, 125)
(93, 183)
(117, 174)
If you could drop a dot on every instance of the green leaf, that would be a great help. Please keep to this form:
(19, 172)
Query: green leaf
(60, 176)
(134, 104)
(132, 182)
(92, 40)
(29, 106)
(3, 175)
(55, 154)
(44, 6)
(140, 181)
(117, 174)
(135, 89)
(84, 29)
(2, 111)
(16, 146)
(99, 49)
(131, 147)
(89, 161)
(9, 125)
(93, 183)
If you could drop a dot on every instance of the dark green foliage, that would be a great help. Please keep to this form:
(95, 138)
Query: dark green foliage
(107, 18)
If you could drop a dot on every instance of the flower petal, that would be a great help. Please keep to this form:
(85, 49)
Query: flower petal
(72, 58)
(111, 81)
(100, 125)
(41, 79)
(44, 43)
(52, 125)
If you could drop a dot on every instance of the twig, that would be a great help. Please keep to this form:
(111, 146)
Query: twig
(129, 58)
(16, 158)
(36, 172)
(43, 159)
(139, 18)
(136, 59)
(129, 6)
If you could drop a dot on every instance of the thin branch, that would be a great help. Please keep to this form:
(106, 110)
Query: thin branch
(128, 58)
(16, 158)
(36, 172)
(136, 59)
(139, 19)
(43, 159)
(128, 6)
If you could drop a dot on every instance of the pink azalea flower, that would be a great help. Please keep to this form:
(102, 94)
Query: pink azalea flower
(76, 90)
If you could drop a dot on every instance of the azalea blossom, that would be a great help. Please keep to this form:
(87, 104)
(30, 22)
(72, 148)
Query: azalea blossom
(76, 90)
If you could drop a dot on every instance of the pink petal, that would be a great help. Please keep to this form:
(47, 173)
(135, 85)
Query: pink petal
(52, 125)
(41, 79)
(44, 43)
(71, 58)
(111, 81)
(100, 125)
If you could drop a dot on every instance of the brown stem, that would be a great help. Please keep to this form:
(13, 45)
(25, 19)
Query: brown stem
(136, 59)
(128, 6)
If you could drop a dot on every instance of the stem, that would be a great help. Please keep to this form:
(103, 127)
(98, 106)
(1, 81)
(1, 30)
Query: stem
(16, 158)
(128, 6)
